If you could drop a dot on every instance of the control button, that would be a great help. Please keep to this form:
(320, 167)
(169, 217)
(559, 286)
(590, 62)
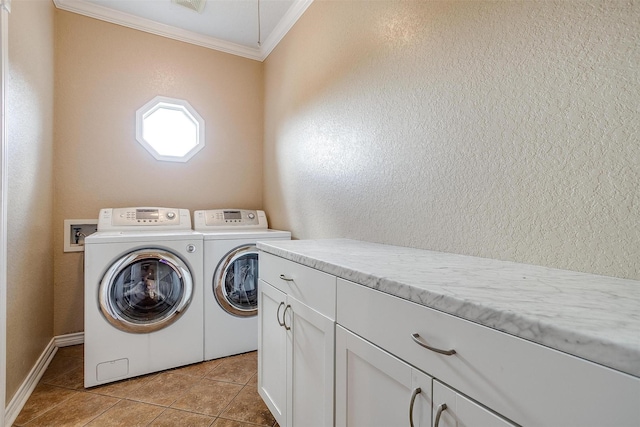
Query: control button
(191, 248)
(251, 216)
(171, 215)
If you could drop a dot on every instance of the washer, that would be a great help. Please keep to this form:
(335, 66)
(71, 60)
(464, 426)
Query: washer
(231, 278)
(143, 294)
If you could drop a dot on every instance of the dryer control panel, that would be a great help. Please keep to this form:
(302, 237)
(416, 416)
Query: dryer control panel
(229, 218)
(143, 218)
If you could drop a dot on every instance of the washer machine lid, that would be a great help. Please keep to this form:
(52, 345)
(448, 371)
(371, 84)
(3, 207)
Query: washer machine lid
(140, 236)
(246, 234)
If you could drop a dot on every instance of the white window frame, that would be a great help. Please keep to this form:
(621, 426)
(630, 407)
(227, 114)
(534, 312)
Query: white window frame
(172, 104)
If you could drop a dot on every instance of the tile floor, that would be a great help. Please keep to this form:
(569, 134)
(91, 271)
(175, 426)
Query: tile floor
(217, 393)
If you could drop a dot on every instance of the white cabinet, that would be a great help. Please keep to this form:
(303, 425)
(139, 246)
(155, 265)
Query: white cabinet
(451, 409)
(296, 342)
(310, 349)
(272, 351)
(386, 347)
(522, 381)
(375, 389)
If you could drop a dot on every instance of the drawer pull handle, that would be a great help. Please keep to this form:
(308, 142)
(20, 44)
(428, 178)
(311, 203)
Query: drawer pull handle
(416, 339)
(284, 321)
(285, 278)
(278, 314)
(441, 409)
(415, 394)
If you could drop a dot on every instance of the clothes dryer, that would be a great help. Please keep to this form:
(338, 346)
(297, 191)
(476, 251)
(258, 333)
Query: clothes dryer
(143, 294)
(231, 278)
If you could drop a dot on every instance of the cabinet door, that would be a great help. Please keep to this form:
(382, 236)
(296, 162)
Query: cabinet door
(374, 388)
(460, 411)
(310, 345)
(272, 350)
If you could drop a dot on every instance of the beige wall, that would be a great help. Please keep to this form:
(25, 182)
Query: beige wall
(104, 73)
(500, 129)
(30, 193)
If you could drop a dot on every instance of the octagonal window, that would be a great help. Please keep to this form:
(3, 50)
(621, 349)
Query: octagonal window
(170, 129)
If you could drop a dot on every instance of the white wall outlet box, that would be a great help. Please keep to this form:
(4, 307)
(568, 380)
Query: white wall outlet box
(75, 230)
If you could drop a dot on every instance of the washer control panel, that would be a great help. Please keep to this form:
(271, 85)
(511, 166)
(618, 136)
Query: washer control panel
(229, 218)
(144, 218)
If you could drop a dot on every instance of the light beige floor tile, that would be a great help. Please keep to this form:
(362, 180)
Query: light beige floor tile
(71, 351)
(78, 410)
(60, 399)
(235, 369)
(173, 417)
(254, 380)
(248, 407)
(208, 397)
(73, 379)
(61, 364)
(127, 413)
(43, 398)
(197, 369)
(222, 422)
(164, 389)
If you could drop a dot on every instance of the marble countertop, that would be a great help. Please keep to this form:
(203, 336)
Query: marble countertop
(593, 317)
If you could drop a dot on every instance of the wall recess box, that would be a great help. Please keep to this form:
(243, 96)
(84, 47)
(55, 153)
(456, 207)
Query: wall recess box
(75, 230)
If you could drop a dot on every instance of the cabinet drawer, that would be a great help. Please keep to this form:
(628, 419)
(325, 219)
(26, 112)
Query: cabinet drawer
(525, 382)
(311, 287)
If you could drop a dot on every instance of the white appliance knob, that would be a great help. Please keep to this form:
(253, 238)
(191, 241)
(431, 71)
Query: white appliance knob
(171, 215)
(251, 216)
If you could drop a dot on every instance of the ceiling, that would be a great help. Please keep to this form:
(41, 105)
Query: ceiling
(226, 25)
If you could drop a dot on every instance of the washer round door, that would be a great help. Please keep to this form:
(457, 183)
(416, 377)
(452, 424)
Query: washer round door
(235, 282)
(145, 290)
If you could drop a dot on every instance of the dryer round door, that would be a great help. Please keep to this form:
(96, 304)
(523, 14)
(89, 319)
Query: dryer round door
(235, 282)
(145, 290)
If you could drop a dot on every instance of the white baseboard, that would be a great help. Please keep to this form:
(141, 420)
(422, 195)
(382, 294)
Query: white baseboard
(24, 392)
(69, 339)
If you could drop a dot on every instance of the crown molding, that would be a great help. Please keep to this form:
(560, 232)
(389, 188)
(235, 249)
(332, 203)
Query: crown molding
(6, 5)
(286, 23)
(102, 13)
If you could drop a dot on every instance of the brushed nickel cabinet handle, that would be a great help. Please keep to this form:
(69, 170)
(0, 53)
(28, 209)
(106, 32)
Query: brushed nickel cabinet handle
(285, 278)
(441, 409)
(416, 338)
(284, 321)
(415, 394)
(278, 314)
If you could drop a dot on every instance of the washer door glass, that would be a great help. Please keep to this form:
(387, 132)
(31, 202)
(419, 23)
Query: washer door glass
(145, 291)
(235, 282)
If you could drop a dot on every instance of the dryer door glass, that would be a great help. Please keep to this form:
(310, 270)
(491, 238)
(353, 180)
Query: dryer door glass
(145, 291)
(235, 282)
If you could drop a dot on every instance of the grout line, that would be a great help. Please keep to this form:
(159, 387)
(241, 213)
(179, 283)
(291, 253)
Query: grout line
(230, 402)
(50, 409)
(102, 413)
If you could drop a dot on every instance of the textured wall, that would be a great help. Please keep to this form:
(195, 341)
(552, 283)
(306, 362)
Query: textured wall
(104, 73)
(30, 193)
(507, 130)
